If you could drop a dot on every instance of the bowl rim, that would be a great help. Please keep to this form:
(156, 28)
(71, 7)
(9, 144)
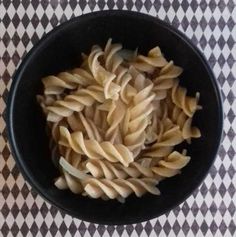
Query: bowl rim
(40, 45)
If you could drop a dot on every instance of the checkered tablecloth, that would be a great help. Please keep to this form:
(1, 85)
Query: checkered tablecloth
(211, 210)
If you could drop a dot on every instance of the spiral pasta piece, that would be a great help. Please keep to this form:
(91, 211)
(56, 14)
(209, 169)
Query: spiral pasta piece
(104, 169)
(136, 118)
(101, 75)
(95, 150)
(96, 188)
(165, 79)
(179, 97)
(55, 85)
(171, 165)
(169, 139)
(75, 103)
(151, 61)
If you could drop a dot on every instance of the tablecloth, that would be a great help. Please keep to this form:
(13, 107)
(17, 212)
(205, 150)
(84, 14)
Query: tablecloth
(210, 211)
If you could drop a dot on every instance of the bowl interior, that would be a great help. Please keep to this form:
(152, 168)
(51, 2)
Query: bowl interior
(61, 50)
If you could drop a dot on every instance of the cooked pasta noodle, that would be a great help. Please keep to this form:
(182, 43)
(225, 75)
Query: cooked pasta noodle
(115, 122)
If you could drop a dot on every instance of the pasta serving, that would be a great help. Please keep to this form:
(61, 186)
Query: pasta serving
(115, 122)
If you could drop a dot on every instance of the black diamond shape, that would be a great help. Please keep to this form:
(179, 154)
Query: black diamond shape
(72, 228)
(204, 208)
(53, 229)
(223, 227)
(222, 190)
(82, 4)
(110, 4)
(6, 20)
(203, 190)
(212, 23)
(44, 229)
(63, 4)
(194, 208)
(91, 4)
(73, 4)
(129, 229)
(231, 171)
(213, 209)
(176, 227)
(203, 42)
(120, 4)
(166, 5)
(185, 5)
(35, 20)
(25, 3)
(185, 227)
(15, 39)
(157, 5)
(15, 58)
(185, 23)
(230, 61)
(5, 210)
(34, 229)
(203, 23)
(230, 42)
(101, 229)
(232, 227)
(120, 229)
(129, 4)
(5, 152)
(194, 5)
(54, 20)
(24, 229)
(195, 227)
(221, 42)
(221, 23)
(194, 23)
(230, 23)
(5, 227)
(63, 18)
(101, 4)
(221, 5)
(212, 5)
(16, 4)
(35, 4)
(25, 20)
(157, 228)
(44, 20)
(15, 229)
(6, 39)
(138, 4)
(24, 190)
(5, 191)
(230, 117)
(175, 5)
(185, 208)
(91, 229)
(221, 60)
(204, 227)
(34, 210)
(44, 210)
(222, 171)
(139, 228)
(213, 171)
(212, 42)
(232, 208)
(25, 39)
(53, 211)
(176, 22)
(110, 230)
(5, 172)
(34, 38)
(194, 40)
(148, 5)
(148, 228)
(82, 228)
(212, 60)
(230, 98)
(24, 210)
(167, 227)
(213, 190)
(15, 191)
(213, 227)
(203, 5)
(221, 79)
(231, 190)
(222, 208)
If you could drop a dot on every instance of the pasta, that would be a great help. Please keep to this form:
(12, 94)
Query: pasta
(115, 122)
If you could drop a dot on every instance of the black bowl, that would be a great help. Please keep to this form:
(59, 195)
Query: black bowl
(60, 50)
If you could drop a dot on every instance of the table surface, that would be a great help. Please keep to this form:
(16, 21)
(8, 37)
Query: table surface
(210, 211)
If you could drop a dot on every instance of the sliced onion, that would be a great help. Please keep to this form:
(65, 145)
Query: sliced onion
(72, 170)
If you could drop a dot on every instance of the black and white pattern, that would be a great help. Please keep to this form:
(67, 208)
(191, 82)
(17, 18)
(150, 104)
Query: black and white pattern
(211, 210)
